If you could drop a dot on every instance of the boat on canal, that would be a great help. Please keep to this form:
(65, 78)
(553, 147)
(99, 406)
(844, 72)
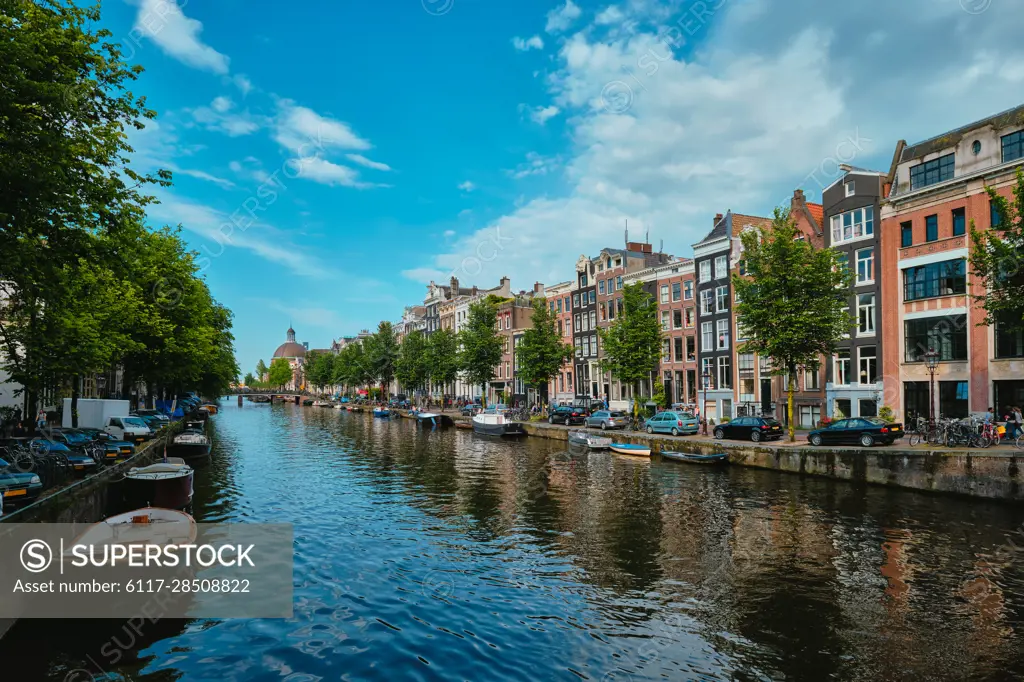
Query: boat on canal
(144, 526)
(163, 484)
(495, 423)
(381, 412)
(631, 449)
(192, 445)
(589, 440)
(322, 403)
(692, 458)
(432, 419)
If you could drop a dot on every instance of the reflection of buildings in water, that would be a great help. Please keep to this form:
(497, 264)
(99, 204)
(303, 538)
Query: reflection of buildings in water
(985, 605)
(896, 570)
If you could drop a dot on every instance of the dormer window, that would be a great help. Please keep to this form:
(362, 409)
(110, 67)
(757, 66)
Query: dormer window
(932, 172)
(1013, 146)
(849, 188)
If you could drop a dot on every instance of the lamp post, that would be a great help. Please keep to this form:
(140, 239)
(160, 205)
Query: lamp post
(931, 361)
(706, 379)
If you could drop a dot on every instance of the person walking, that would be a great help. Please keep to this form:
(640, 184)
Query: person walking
(41, 419)
(1017, 419)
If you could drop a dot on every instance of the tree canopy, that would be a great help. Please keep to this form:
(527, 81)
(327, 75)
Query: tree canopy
(443, 354)
(632, 344)
(541, 352)
(480, 345)
(997, 260)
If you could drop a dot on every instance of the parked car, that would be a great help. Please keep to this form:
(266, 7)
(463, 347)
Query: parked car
(154, 423)
(608, 419)
(18, 487)
(154, 414)
(864, 431)
(79, 461)
(470, 410)
(674, 423)
(750, 428)
(128, 428)
(567, 415)
(113, 448)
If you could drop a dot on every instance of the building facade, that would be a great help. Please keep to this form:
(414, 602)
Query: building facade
(559, 297)
(584, 332)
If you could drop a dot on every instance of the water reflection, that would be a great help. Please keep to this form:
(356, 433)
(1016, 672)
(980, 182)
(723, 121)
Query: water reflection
(441, 555)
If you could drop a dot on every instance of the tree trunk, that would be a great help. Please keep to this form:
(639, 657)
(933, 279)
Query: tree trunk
(74, 401)
(483, 395)
(790, 387)
(636, 400)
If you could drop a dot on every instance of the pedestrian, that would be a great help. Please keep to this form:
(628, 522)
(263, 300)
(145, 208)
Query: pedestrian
(1016, 420)
(19, 431)
(41, 419)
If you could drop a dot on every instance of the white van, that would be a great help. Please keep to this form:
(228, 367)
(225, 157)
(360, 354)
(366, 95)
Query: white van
(128, 428)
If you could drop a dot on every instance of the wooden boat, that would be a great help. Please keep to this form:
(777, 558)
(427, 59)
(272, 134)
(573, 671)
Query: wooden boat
(192, 445)
(631, 449)
(146, 526)
(164, 484)
(307, 402)
(381, 412)
(493, 423)
(589, 440)
(717, 458)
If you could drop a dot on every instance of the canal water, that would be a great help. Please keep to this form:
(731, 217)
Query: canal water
(446, 556)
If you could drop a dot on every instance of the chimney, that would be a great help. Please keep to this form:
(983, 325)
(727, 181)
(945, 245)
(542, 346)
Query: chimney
(798, 199)
(538, 288)
(506, 285)
(475, 290)
(454, 287)
(718, 218)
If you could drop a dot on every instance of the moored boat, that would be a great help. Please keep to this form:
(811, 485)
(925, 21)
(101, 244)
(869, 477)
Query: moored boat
(147, 526)
(381, 412)
(211, 408)
(692, 458)
(631, 449)
(163, 484)
(432, 419)
(322, 403)
(589, 440)
(192, 444)
(494, 423)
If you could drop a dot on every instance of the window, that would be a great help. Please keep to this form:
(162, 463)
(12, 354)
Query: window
(593, 319)
(1009, 341)
(946, 334)
(604, 311)
(678, 346)
(850, 189)
(867, 364)
(600, 287)
(575, 300)
(552, 306)
(721, 270)
(593, 345)
(664, 293)
(854, 224)
(946, 278)
(906, 234)
(866, 266)
(707, 302)
(677, 319)
(586, 345)
(577, 318)
(725, 372)
(931, 172)
(579, 347)
(707, 373)
(707, 336)
(611, 310)
(688, 316)
(993, 214)
(742, 333)
(583, 280)
(866, 315)
(664, 320)
(705, 271)
(810, 416)
(811, 380)
(931, 228)
(618, 282)
(677, 292)
(618, 307)
(691, 349)
(688, 290)
(560, 331)
(723, 334)
(1013, 146)
(722, 299)
(666, 350)
(959, 222)
(842, 370)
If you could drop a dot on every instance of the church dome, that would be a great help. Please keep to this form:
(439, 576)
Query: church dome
(290, 349)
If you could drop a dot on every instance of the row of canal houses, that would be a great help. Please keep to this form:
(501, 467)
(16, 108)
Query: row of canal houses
(904, 233)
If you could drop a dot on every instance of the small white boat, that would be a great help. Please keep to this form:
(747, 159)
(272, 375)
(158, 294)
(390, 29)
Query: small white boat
(322, 403)
(381, 412)
(495, 423)
(589, 440)
(191, 445)
(145, 526)
(631, 449)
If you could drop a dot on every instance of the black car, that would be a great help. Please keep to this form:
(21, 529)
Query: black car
(864, 431)
(567, 415)
(749, 428)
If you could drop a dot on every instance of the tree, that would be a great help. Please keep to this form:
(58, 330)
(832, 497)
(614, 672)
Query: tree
(480, 346)
(443, 367)
(632, 344)
(413, 367)
(280, 372)
(249, 379)
(382, 355)
(541, 352)
(319, 369)
(997, 260)
(792, 300)
(261, 370)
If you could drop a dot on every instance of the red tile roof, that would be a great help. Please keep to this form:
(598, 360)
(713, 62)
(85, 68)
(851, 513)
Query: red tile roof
(818, 212)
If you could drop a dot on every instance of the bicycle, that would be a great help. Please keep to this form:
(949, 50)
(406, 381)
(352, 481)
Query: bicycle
(637, 423)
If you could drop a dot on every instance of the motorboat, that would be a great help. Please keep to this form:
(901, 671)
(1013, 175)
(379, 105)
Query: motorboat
(496, 423)
(166, 484)
(144, 526)
(692, 458)
(210, 408)
(192, 444)
(381, 412)
(631, 449)
(322, 403)
(589, 440)
(432, 419)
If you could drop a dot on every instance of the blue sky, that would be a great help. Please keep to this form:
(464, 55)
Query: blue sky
(332, 158)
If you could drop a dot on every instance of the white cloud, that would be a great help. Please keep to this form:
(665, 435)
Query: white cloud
(221, 104)
(562, 17)
(243, 83)
(299, 126)
(166, 25)
(221, 117)
(541, 115)
(748, 112)
(525, 45)
(467, 186)
(203, 175)
(368, 163)
(535, 164)
(448, 234)
(610, 15)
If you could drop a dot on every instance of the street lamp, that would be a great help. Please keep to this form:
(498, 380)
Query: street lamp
(931, 361)
(706, 378)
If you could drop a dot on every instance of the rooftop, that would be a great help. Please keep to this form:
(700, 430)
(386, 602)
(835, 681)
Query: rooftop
(1004, 119)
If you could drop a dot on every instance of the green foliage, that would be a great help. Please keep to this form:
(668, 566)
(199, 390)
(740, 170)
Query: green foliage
(351, 367)
(280, 372)
(997, 260)
(793, 300)
(413, 367)
(541, 352)
(443, 357)
(632, 344)
(261, 369)
(382, 354)
(319, 369)
(886, 414)
(480, 344)
(659, 396)
(249, 379)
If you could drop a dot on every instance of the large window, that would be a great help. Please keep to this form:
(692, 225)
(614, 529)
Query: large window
(953, 399)
(842, 369)
(678, 343)
(691, 349)
(600, 286)
(946, 334)
(867, 364)
(1009, 342)
(945, 278)
(721, 271)
(722, 299)
(677, 319)
(688, 290)
(676, 292)
(993, 214)
(931, 228)
(959, 222)
(723, 334)
(688, 317)
(707, 302)
(866, 315)
(1013, 146)
(906, 234)
(931, 172)
(664, 320)
(725, 372)
(866, 266)
(853, 224)
(705, 271)
(811, 381)
(664, 293)
(707, 336)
